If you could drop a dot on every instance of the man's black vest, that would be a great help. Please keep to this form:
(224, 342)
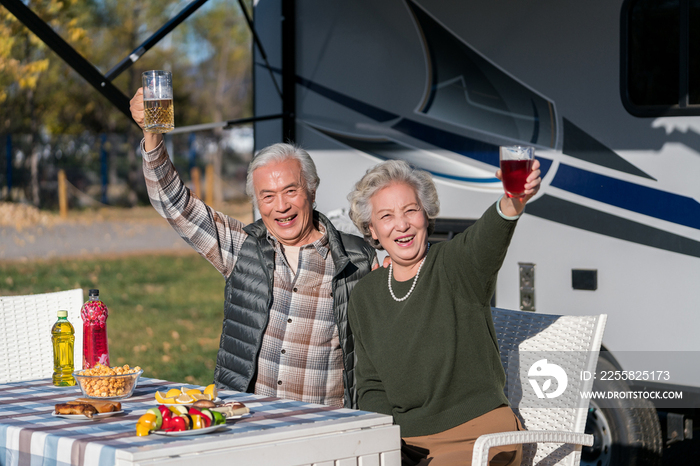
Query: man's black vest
(248, 297)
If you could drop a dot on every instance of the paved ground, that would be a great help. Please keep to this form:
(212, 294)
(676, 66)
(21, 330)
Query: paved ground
(85, 240)
(109, 232)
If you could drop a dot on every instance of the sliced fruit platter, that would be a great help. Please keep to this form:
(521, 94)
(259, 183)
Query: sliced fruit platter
(170, 419)
(185, 396)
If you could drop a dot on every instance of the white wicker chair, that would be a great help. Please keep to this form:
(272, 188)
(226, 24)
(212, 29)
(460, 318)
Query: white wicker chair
(554, 435)
(26, 351)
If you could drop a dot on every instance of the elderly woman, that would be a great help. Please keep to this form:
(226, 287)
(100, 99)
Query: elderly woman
(424, 338)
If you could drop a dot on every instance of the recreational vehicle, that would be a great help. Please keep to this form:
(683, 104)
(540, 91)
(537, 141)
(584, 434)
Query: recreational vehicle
(606, 91)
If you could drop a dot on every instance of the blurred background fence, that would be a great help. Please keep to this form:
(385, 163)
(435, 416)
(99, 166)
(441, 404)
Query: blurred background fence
(105, 169)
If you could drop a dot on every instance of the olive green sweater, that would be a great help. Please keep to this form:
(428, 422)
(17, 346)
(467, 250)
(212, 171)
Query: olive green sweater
(432, 361)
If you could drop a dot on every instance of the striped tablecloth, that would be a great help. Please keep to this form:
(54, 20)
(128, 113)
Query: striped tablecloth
(31, 436)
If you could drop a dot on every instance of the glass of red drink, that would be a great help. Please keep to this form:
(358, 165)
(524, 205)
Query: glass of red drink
(516, 165)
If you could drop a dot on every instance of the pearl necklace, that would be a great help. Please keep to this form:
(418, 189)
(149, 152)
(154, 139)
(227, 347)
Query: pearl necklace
(415, 279)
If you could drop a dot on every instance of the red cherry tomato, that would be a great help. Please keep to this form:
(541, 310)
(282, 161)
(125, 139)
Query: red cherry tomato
(177, 424)
(164, 411)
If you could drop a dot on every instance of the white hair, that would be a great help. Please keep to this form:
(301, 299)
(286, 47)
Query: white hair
(278, 153)
(382, 175)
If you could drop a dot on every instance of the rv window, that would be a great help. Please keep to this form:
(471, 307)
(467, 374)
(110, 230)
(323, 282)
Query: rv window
(660, 57)
(653, 52)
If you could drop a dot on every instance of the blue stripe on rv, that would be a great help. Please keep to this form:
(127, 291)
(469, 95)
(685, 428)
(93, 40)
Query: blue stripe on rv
(629, 196)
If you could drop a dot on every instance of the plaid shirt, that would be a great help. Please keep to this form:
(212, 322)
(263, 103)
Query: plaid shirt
(300, 357)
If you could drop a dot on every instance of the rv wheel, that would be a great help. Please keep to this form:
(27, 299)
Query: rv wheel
(624, 436)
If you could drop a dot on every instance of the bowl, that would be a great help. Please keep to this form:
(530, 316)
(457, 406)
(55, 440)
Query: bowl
(107, 387)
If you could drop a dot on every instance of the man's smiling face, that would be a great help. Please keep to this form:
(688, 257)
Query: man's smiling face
(284, 203)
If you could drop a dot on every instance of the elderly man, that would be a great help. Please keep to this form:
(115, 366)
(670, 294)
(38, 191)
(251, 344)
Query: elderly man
(288, 275)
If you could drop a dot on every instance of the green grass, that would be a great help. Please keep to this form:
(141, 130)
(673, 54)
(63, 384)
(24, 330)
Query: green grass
(165, 312)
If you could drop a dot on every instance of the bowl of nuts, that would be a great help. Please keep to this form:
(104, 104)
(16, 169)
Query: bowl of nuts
(108, 383)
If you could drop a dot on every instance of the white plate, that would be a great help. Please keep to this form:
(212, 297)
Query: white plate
(185, 433)
(82, 417)
(206, 430)
(218, 400)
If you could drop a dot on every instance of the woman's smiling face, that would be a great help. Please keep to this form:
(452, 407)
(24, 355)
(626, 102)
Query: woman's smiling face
(399, 223)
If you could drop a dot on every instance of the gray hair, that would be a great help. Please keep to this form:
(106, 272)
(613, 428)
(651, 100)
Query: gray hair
(278, 153)
(382, 175)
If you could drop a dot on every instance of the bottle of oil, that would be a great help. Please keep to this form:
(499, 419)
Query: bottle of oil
(63, 339)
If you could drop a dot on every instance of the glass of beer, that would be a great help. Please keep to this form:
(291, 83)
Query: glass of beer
(516, 165)
(158, 101)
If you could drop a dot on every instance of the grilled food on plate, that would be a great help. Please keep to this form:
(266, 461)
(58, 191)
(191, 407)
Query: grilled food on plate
(88, 407)
(77, 408)
(101, 406)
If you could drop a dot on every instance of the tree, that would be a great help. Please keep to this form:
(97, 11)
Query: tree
(27, 69)
(209, 56)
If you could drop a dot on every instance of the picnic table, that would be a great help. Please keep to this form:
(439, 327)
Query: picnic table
(278, 432)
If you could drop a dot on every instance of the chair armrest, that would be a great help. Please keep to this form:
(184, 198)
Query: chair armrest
(482, 445)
